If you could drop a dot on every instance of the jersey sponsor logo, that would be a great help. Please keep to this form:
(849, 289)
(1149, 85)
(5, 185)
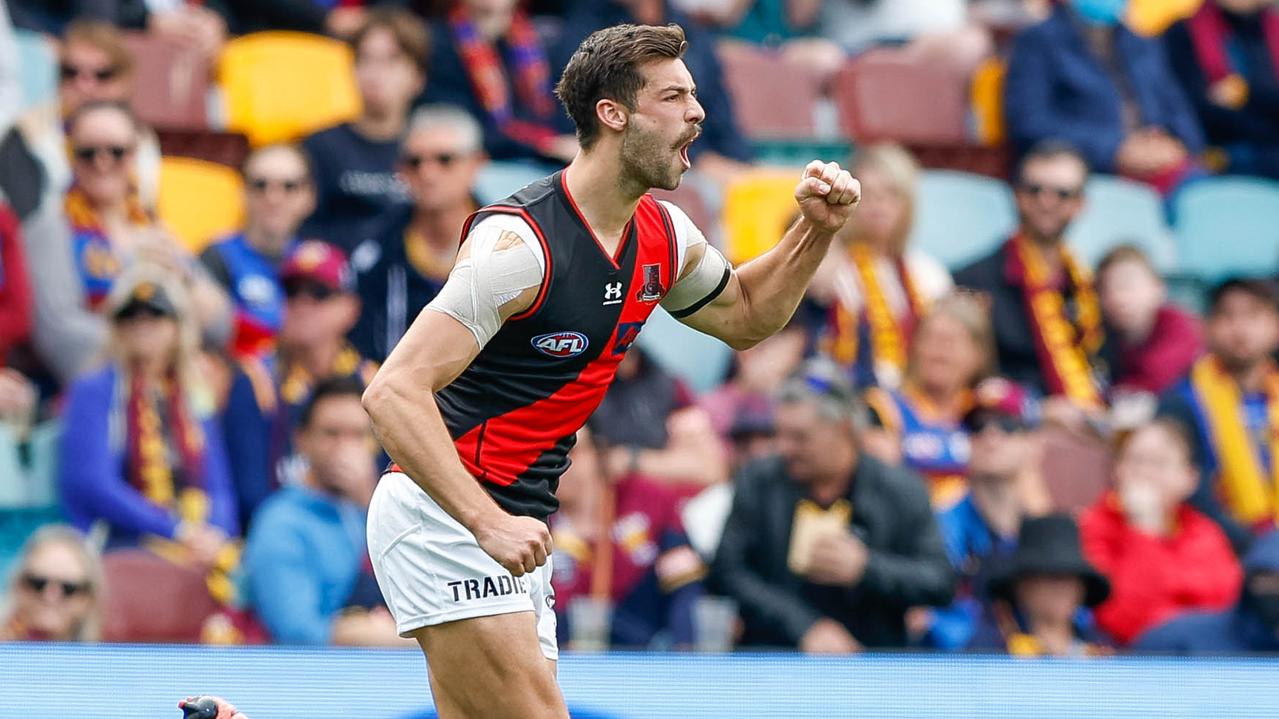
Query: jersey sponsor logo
(561, 345)
(613, 293)
(466, 590)
(651, 290)
(627, 333)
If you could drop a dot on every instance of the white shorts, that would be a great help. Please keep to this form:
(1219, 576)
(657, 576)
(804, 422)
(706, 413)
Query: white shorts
(431, 569)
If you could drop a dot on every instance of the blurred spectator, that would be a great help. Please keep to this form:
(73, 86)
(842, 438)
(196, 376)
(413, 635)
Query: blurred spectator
(741, 409)
(104, 228)
(339, 18)
(1150, 342)
(353, 164)
(269, 392)
(722, 151)
(1161, 556)
(278, 196)
(825, 549)
(791, 26)
(1041, 592)
(980, 531)
(410, 249)
(877, 287)
(1045, 311)
(56, 593)
(647, 569)
(1083, 77)
(199, 24)
(650, 425)
(1227, 59)
(15, 288)
(488, 60)
(305, 553)
(858, 24)
(1228, 402)
(919, 425)
(1252, 625)
(94, 65)
(140, 454)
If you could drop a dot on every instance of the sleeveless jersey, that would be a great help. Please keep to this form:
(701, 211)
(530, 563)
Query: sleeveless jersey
(514, 413)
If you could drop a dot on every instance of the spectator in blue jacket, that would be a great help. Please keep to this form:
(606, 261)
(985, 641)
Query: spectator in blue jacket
(1082, 77)
(140, 452)
(306, 563)
(1249, 627)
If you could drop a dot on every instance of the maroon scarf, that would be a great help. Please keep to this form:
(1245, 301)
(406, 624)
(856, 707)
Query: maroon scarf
(148, 464)
(1210, 34)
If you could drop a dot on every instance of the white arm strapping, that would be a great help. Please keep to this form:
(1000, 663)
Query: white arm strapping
(488, 278)
(705, 281)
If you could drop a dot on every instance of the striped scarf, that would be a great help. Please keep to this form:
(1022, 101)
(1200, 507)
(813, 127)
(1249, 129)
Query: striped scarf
(97, 258)
(889, 334)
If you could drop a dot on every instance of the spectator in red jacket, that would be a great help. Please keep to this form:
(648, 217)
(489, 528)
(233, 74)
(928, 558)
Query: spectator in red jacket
(1162, 556)
(1150, 343)
(15, 290)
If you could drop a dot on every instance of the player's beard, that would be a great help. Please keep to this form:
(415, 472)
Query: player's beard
(646, 160)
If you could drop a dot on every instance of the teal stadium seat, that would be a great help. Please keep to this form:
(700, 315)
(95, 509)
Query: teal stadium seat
(39, 67)
(1118, 212)
(960, 216)
(700, 360)
(1228, 225)
(16, 525)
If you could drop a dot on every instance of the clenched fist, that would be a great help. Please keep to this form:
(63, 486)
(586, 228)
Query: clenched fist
(827, 195)
(519, 544)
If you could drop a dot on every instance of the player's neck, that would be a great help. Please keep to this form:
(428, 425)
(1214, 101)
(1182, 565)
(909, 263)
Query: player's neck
(602, 195)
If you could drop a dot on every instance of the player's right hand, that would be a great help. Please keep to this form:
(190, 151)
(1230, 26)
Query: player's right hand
(519, 544)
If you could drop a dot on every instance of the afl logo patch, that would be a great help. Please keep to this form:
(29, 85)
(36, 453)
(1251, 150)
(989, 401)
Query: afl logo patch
(561, 345)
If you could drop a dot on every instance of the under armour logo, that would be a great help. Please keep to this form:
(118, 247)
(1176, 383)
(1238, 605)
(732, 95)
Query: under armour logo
(612, 293)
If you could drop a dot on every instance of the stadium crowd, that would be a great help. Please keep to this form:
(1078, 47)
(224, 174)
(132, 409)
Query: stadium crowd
(1026, 452)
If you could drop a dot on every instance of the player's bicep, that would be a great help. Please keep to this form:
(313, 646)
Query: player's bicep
(707, 296)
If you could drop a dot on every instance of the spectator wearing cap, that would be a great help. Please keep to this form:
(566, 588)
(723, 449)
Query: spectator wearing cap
(1047, 319)
(980, 531)
(1162, 556)
(1041, 594)
(1228, 402)
(488, 59)
(1226, 57)
(277, 198)
(306, 557)
(142, 453)
(1250, 626)
(1083, 77)
(410, 249)
(825, 548)
(353, 164)
(918, 425)
(1150, 342)
(269, 391)
(623, 541)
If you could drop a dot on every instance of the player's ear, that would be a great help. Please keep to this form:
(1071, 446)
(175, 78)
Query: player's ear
(612, 114)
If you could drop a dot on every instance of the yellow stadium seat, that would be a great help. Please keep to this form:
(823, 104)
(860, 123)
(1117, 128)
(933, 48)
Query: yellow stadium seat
(986, 94)
(758, 207)
(279, 86)
(199, 201)
(1152, 17)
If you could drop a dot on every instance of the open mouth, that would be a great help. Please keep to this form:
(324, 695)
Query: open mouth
(683, 150)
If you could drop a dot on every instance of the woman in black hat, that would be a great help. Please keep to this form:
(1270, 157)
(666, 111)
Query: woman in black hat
(1039, 593)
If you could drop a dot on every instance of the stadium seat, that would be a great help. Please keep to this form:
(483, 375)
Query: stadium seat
(31, 481)
(758, 206)
(1076, 471)
(500, 178)
(38, 67)
(223, 148)
(12, 473)
(172, 81)
(199, 200)
(700, 360)
(150, 599)
(772, 99)
(16, 526)
(279, 86)
(959, 216)
(1227, 225)
(1119, 211)
(895, 94)
(1152, 17)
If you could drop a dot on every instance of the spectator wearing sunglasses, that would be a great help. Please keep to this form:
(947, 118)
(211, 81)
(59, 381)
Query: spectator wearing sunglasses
(410, 250)
(1047, 318)
(981, 529)
(354, 164)
(56, 592)
(826, 548)
(269, 391)
(278, 196)
(141, 452)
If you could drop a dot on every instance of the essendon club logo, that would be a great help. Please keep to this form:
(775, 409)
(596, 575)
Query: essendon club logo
(561, 345)
(651, 290)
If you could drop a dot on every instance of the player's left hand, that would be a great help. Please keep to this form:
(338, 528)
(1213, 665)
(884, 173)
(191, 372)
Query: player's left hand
(827, 195)
(209, 708)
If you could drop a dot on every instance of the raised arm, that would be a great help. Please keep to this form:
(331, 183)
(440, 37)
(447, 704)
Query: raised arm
(441, 343)
(757, 299)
